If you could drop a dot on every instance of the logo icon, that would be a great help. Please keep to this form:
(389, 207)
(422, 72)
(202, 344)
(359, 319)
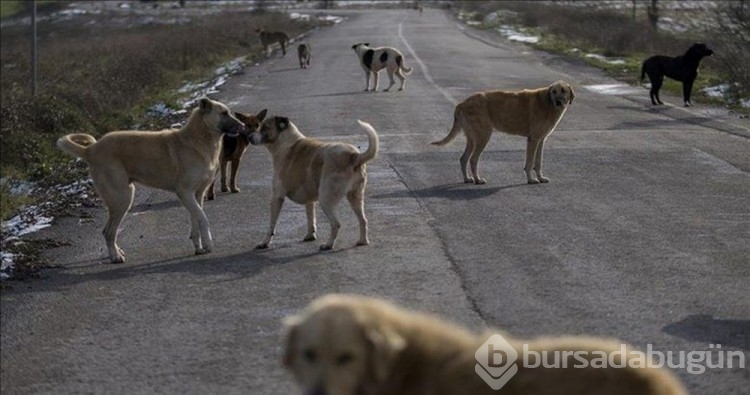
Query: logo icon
(496, 362)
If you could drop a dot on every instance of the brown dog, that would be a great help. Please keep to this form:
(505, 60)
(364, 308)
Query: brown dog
(232, 149)
(183, 161)
(529, 113)
(349, 345)
(307, 170)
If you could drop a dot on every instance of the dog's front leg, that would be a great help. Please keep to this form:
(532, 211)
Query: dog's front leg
(687, 88)
(276, 203)
(200, 232)
(538, 162)
(311, 227)
(375, 76)
(367, 80)
(531, 149)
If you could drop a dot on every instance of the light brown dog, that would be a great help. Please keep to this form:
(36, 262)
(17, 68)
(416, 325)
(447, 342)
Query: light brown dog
(351, 345)
(232, 149)
(529, 113)
(269, 38)
(307, 170)
(183, 161)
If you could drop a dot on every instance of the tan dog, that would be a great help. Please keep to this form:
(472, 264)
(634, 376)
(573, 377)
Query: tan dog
(351, 345)
(269, 38)
(529, 113)
(373, 60)
(307, 170)
(304, 53)
(183, 161)
(232, 149)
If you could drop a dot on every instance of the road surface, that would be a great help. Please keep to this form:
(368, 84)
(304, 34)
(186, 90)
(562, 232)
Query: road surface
(641, 235)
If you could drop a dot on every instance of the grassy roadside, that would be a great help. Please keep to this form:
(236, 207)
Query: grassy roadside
(615, 34)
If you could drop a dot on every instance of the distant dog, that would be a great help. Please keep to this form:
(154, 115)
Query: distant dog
(304, 53)
(307, 170)
(529, 113)
(375, 59)
(183, 161)
(232, 149)
(269, 38)
(680, 68)
(350, 345)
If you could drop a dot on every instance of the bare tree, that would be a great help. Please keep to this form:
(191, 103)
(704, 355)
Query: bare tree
(653, 14)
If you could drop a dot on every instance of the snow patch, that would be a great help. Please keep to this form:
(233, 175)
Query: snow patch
(605, 59)
(516, 35)
(613, 89)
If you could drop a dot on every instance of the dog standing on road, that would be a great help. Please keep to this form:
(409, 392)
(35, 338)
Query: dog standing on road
(373, 60)
(533, 114)
(304, 53)
(183, 161)
(680, 68)
(349, 345)
(269, 38)
(232, 149)
(307, 170)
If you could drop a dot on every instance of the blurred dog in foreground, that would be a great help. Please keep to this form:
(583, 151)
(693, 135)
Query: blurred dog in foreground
(533, 114)
(183, 161)
(353, 345)
(232, 149)
(682, 68)
(307, 170)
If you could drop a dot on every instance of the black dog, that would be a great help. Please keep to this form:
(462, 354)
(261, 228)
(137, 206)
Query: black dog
(681, 68)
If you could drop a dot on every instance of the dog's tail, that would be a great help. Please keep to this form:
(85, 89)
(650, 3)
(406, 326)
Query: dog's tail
(454, 130)
(400, 63)
(643, 71)
(372, 147)
(76, 144)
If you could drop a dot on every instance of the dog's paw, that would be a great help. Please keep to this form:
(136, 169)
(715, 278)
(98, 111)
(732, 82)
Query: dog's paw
(400, 89)
(543, 180)
(118, 259)
(209, 197)
(480, 181)
(363, 242)
(468, 180)
(262, 246)
(533, 181)
(310, 237)
(326, 247)
(236, 190)
(224, 188)
(202, 251)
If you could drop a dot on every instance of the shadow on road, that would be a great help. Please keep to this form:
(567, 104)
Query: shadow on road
(704, 328)
(460, 191)
(155, 206)
(340, 94)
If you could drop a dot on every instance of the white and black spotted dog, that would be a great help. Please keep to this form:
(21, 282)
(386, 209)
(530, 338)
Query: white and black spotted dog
(375, 59)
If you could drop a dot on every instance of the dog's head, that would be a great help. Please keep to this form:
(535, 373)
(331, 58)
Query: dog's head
(338, 346)
(252, 121)
(219, 118)
(561, 94)
(357, 47)
(270, 130)
(699, 51)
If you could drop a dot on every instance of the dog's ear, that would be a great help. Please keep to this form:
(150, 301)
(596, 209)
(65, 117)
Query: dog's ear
(262, 114)
(242, 117)
(367, 44)
(205, 104)
(282, 123)
(289, 340)
(354, 46)
(385, 346)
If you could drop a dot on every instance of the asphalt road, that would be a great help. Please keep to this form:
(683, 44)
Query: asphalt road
(641, 235)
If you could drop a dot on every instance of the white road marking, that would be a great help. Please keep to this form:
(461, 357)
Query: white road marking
(424, 68)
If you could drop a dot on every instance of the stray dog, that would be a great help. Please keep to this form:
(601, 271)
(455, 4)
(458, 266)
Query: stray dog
(268, 38)
(304, 53)
(232, 149)
(529, 113)
(307, 170)
(680, 68)
(348, 345)
(375, 59)
(183, 161)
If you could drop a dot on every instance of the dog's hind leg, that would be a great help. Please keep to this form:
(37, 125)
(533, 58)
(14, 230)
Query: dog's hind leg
(117, 195)
(687, 87)
(401, 77)
(375, 77)
(223, 166)
(656, 83)
(233, 179)
(538, 162)
(357, 202)
(330, 195)
(389, 70)
(480, 142)
(367, 80)
(311, 227)
(200, 232)
(468, 151)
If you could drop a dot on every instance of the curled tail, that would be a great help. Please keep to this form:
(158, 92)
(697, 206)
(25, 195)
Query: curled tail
(372, 147)
(76, 144)
(454, 130)
(400, 63)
